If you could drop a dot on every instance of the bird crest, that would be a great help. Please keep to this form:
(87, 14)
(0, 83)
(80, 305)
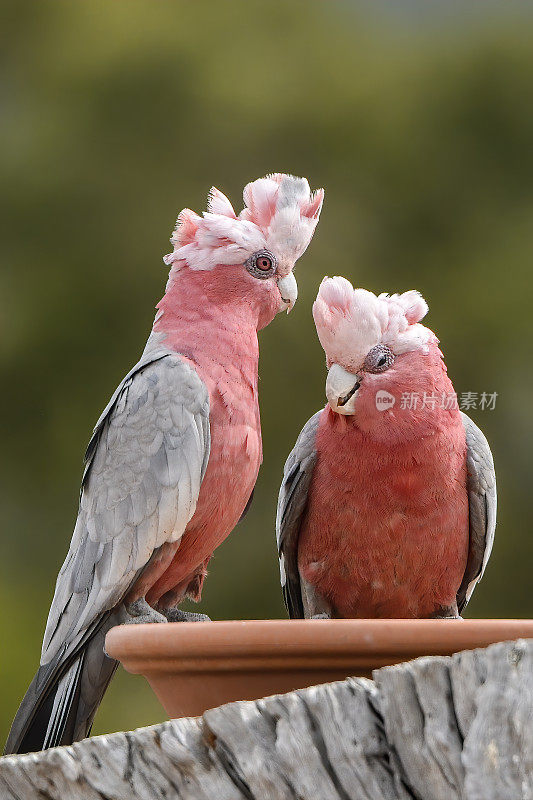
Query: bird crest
(350, 321)
(280, 214)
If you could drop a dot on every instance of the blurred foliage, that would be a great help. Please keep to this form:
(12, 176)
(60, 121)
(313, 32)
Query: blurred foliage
(117, 115)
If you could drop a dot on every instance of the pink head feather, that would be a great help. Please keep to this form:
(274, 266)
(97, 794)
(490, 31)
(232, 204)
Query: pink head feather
(350, 322)
(280, 214)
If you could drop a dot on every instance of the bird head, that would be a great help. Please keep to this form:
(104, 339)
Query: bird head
(249, 257)
(376, 351)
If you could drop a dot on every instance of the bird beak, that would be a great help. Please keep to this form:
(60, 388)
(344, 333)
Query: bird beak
(288, 289)
(341, 389)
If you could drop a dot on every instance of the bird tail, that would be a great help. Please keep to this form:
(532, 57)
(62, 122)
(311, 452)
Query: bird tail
(62, 699)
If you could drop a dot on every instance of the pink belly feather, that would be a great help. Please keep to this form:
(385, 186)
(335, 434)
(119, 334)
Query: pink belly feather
(386, 529)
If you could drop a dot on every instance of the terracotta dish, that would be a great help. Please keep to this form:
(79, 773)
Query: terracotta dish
(193, 666)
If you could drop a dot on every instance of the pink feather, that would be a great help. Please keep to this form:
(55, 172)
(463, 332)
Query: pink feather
(386, 528)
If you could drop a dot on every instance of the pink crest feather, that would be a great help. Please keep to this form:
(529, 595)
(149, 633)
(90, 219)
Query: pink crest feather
(280, 215)
(350, 321)
(260, 200)
(314, 206)
(218, 203)
(413, 304)
(185, 231)
(336, 292)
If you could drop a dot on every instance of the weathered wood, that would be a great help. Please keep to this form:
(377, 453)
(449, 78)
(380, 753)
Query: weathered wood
(457, 728)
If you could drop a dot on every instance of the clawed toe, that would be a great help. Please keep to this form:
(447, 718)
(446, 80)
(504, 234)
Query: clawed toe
(446, 612)
(177, 615)
(140, 612)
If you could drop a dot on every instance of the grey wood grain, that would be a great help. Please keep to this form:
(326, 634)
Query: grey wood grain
(458, 728)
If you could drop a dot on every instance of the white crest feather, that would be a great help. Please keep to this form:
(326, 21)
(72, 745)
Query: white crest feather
(350, 321)
(218, 203)
(280, 214)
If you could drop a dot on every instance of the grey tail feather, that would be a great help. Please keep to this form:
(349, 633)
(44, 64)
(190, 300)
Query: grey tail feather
(62, 699)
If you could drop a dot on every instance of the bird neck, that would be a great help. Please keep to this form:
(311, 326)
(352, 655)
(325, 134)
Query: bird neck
(211, 334)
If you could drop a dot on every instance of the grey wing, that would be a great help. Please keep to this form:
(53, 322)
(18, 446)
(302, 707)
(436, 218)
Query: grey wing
(145, 464)
(481, 486)
(292, 501)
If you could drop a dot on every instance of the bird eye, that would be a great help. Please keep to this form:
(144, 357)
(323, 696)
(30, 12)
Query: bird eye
(261, 264)
(378, 359)
(264, 263)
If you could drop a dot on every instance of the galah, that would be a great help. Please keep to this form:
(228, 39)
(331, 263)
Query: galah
(174, 457)
(388, 502)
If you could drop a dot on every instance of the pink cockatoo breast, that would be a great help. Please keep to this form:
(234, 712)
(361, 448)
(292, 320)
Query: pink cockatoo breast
(220, 342)
(234, 461)
(386, 529)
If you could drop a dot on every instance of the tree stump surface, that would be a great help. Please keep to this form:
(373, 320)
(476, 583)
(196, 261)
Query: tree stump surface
(436, 728)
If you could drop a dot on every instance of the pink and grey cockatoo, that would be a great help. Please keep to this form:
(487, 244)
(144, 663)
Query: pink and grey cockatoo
(173, 459)
(388, 502)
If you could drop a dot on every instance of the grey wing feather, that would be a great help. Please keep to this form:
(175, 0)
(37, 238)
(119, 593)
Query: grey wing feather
(150, 355)
(145, 464)
(292, 501)
(482, 500)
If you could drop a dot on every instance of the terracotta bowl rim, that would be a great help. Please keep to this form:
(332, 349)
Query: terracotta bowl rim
(272, 639)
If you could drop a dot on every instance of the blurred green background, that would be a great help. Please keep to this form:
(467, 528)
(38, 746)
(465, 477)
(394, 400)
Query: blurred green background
(416, 117)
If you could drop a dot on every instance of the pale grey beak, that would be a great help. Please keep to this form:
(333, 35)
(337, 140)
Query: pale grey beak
(341, 390)
(288, 289)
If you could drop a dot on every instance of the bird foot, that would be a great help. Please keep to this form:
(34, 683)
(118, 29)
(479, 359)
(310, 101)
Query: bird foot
(321, 616)
(140, 612)
(177, 615)
(446, 612)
